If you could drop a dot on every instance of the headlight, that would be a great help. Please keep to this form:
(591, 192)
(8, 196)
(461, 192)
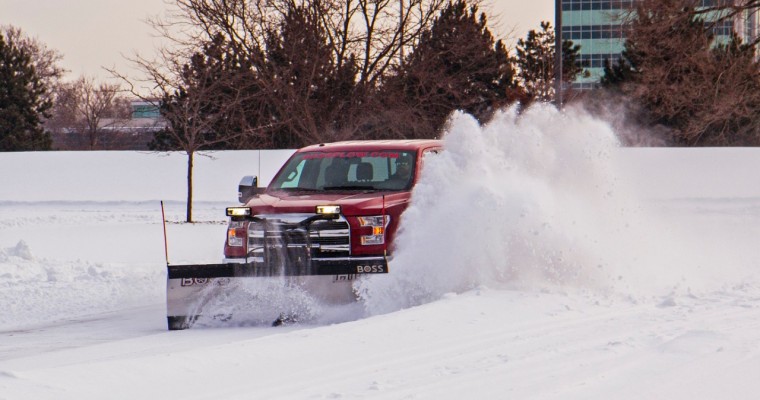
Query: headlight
(378, 223)
(236, 234)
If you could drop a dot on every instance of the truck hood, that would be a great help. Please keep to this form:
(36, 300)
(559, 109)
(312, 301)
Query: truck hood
(351, 203)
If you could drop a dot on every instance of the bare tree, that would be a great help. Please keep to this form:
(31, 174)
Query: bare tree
(63, 115)
(95, 102)
(88, 108)
(359, 41)
(372, 33)
(196, 95)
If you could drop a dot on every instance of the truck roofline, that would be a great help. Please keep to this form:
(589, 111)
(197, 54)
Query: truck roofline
(379, 145)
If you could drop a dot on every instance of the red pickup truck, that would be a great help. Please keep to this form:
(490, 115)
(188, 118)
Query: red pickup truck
(329, 215)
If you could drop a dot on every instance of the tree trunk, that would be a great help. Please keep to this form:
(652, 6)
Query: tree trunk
(189, 216)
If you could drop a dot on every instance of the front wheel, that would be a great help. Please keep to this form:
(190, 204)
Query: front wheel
(178, 323)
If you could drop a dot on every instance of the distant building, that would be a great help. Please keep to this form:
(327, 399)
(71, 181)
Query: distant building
(596, 25)
(133, 131)
(144, 116)
(136, 132)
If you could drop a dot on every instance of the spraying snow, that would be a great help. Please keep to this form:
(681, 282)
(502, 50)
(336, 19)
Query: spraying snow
(535, 201)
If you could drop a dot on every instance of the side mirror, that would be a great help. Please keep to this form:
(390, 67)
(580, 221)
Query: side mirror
(248, 189)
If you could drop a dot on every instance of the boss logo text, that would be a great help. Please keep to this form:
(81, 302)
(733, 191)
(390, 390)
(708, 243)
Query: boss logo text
(370, 269)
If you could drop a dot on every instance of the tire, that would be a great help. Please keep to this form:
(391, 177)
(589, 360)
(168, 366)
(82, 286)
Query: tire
(178, 323)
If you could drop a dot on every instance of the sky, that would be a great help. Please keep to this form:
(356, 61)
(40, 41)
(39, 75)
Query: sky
(539, 261)
(93, 34)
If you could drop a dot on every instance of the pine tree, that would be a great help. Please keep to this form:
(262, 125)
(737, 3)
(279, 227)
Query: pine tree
(311, 95)
(457, 65)
(535, 59)
(23, 101)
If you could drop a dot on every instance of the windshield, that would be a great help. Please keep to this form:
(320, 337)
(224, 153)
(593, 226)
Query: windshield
(347, 170)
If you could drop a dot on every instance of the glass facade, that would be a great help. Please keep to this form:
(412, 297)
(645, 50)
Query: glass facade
(144, 109)
(595, 25)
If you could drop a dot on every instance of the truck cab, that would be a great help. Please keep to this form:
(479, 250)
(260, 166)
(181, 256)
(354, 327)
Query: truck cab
(329, 202)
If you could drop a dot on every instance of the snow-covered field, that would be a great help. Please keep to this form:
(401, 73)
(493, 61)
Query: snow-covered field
(538, 261)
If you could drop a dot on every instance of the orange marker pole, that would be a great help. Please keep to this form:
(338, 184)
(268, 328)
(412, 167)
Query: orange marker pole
(166, 243)
(385, 226)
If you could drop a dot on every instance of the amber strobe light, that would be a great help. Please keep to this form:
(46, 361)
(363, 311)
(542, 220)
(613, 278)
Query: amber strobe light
(238, 211)
(328, 210)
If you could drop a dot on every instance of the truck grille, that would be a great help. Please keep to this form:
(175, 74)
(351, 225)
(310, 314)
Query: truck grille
(283, 239)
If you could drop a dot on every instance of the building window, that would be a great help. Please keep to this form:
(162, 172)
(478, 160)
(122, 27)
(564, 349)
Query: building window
(715, 3)
(576, 32)
(585, 85)
(584, 5)
(723, 28)
(597, 60)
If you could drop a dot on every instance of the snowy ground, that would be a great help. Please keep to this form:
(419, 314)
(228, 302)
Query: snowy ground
(538, 261)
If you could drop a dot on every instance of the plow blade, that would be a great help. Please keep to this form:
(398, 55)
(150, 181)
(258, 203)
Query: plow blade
(190, 287)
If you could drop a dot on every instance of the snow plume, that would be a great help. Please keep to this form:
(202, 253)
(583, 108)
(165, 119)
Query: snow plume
(530, 201)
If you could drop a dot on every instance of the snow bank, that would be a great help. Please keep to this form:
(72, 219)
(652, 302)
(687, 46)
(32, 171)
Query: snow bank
(36, 290)
(131, 175)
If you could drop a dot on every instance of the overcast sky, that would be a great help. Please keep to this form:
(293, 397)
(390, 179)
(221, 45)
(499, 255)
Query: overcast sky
(92, 34)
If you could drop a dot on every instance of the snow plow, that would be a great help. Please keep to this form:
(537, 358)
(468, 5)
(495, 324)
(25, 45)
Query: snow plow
(327, 218)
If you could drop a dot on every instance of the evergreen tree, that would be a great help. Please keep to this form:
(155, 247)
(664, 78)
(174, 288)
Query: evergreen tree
(23, 101)
(535, 59)
(457, 65)
(310, 94)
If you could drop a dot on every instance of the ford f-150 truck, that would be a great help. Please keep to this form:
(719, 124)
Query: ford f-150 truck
(329, 215)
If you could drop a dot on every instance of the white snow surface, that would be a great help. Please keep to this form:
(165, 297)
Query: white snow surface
(538, 260)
